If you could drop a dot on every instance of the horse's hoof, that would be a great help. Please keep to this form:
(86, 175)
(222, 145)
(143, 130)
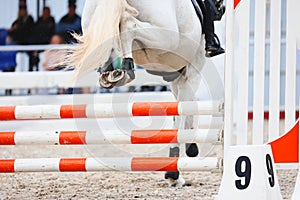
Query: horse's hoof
(115, 76)
(174, 179)
(104, 83)
(191, 149)
(125, 80)
(180, 182)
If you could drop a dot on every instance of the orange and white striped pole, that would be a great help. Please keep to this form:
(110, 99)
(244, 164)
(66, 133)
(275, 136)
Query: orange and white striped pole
(108, 164)
(109, 110)
(109, 136)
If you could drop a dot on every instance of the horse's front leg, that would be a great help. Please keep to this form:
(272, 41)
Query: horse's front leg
(119, 75)
(111, 74)
(163, 36)
(125, 73)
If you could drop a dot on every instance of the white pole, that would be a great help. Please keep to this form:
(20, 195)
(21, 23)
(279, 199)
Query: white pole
(259, 72)
(274, 83)
(229, 76)
(243, 16)
(290, 79)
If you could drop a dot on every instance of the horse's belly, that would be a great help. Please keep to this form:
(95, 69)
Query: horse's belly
(158, 60)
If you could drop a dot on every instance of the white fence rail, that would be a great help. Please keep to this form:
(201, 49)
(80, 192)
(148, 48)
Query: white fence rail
(62, 79)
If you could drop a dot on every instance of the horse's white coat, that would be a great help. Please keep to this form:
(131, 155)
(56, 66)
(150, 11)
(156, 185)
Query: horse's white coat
(160, 35)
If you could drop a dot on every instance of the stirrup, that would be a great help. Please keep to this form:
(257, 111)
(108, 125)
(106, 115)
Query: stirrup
(217, 50)
(210, 54)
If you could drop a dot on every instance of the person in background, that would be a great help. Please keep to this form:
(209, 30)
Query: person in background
(21, 29)
(7, 58)
(70, 23)
(43, 30)
(53, 57)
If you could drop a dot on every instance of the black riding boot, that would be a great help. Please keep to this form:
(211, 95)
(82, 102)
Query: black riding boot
(212, 46)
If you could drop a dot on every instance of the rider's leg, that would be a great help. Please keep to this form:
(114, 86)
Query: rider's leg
(212, 45)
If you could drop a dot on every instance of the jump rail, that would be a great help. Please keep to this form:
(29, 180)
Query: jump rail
(62, 79)
(110, 110)
(108, 164)
(109, 137)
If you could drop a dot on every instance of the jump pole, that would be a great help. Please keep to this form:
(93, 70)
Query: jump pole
(108, 164)
(110, 137)
(110, 110)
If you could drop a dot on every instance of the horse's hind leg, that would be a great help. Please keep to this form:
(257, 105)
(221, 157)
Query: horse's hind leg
(173, 176)
(185, 89)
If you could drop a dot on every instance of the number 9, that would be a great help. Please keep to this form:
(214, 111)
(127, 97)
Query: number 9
(270, 170)
(246, 173)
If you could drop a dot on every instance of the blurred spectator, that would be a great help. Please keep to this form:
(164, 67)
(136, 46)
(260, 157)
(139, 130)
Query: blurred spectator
(7, 58)
(21, 29)
(44, 28)
(55, 56)
(69, 23)
(21, 33)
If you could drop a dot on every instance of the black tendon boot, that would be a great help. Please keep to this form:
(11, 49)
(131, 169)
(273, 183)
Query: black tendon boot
(128, 66)
(191, 149)
(174, 152)
(107, 67)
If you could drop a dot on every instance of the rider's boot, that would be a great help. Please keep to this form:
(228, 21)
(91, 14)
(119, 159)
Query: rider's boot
(212, 46)
(104, 73)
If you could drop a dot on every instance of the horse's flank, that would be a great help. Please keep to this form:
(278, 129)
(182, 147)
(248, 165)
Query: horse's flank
(165, 36)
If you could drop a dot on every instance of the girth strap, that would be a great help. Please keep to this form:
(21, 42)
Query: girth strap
(168, 76)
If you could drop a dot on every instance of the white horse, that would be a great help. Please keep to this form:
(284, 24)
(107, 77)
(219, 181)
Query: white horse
(162, 36)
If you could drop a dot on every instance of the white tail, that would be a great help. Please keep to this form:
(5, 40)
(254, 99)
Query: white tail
(100, 38)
